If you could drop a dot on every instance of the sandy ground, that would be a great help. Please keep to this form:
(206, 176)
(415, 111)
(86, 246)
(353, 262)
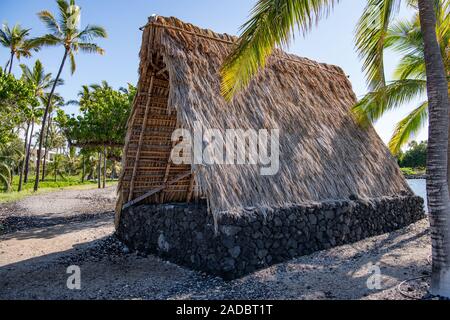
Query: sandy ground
(34, 261)
(56, 208)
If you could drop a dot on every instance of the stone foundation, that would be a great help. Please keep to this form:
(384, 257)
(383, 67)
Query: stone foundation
(185, 233)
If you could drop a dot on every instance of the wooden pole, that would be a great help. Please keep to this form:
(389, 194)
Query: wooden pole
(83, 171)
(99, 170)
(104, 167)
(167, 173)
(191, 188)
(155, 191)
(22, 171)
(141, 139)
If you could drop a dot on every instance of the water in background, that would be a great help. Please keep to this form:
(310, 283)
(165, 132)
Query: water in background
(419, 186)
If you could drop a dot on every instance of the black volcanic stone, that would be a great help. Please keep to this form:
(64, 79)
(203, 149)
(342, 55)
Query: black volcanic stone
(247, 242)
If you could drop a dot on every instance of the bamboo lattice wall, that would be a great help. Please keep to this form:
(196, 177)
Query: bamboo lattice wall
(147, 165)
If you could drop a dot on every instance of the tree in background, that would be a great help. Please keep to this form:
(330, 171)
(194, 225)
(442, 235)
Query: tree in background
(104, 113)
(16, 96)
(10, 157)
(55, 106)
(415, 156)
(42, 82)
(65, 32)
(57, 167)
(405, 37)
(18, 42)
(101, 125)
(33, 115)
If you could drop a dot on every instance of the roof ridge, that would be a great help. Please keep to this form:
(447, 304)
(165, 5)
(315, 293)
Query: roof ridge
(279, 53)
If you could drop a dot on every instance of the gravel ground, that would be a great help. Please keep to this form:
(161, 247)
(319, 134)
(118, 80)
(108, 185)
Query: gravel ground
(56, 208)
(33, 262)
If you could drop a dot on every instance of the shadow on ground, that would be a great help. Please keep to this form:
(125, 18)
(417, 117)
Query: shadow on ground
(51, 228)
(108, 273)
(14, 223)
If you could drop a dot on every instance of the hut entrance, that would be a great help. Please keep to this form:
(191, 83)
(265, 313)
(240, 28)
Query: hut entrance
(149, 176)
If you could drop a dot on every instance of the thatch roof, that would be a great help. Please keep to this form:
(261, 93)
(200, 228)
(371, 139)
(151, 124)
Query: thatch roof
(324, 153)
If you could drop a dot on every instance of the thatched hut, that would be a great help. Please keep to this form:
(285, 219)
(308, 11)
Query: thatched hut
(336, 183)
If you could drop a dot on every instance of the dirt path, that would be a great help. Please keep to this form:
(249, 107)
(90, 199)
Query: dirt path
(33, 263)
(56, 208)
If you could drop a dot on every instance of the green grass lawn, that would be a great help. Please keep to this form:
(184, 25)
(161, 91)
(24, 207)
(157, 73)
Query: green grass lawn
(48, 186)
(413, 171)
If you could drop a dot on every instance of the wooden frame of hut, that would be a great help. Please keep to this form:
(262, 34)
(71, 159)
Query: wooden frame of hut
(337, 182)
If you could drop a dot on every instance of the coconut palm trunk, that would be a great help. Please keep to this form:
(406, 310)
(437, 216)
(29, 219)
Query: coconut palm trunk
(99, 170)
(104, 167)
(6, 66)
(83, 170)
(28, 155)
(437, 186)
(25, 150)
(44, 165)
(44, 119)
(11, 62)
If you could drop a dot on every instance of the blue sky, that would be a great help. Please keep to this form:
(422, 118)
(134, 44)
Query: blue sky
(331, 42)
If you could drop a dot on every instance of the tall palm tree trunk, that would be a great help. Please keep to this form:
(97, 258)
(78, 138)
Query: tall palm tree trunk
(437, 186)
(47, 108)
(28, 156)
(99, 170)
(104, 167)
(6, 66)
(25, 150)
(448, 158)
(44, 165)
(83, 169)
(11, 62)
(113, 170)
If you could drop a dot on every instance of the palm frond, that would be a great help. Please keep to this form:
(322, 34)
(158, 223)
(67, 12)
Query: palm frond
(91, 32)
(370, 39)
(63, 10)
(73, 65)
(405, 37)
(49, 20)
(60, 82)
(26, 72)
(73, 102)
(47, 40)
(408, 128)
(5, 176)
(410, 66)
(272, 23)
(372, 106)
(90, 48)
(5, 38)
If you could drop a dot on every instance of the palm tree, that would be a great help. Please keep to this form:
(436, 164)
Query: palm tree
(56, 104)
(437, 159)
(410, 78)
(65, 32)
(33, 115)
(10, 156)
(16, 40)
(5, 172)
(272, 23)
(42, 82)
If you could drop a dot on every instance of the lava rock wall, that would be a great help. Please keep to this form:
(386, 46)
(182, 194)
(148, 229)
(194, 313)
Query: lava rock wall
(259, 237)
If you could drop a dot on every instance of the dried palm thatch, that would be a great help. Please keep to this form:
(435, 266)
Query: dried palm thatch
(324, 153)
